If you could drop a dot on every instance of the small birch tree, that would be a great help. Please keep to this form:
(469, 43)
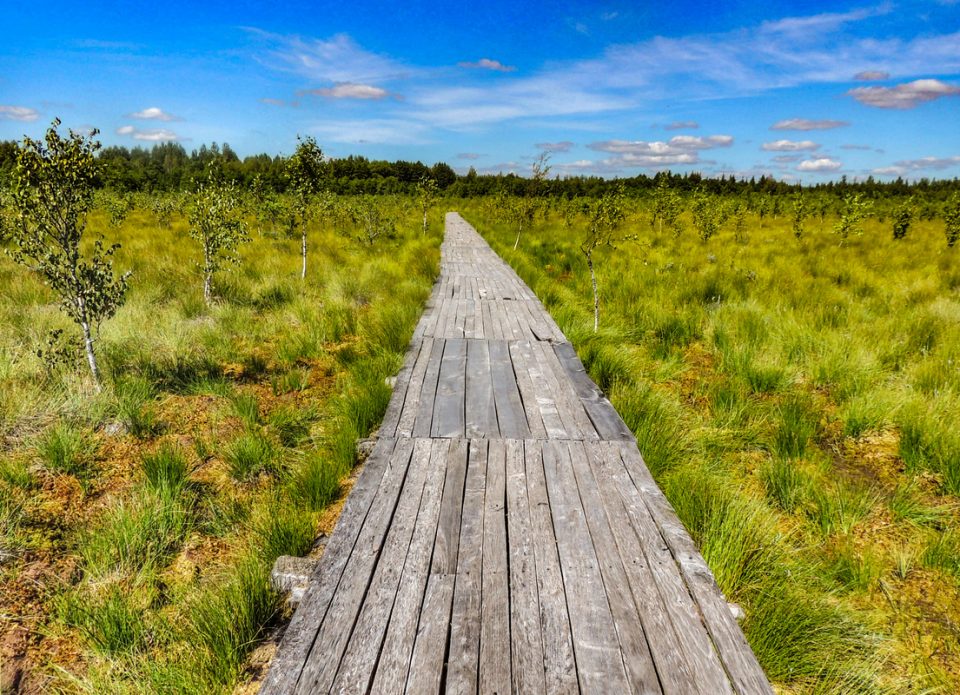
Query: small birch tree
(426, 192)
(216, 223)
(606, 216)
(951, 219)
(53, 187)
(902, 218)
(305, 171)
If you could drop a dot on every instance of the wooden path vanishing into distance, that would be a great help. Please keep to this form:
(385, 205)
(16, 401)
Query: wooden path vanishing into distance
(505, 534)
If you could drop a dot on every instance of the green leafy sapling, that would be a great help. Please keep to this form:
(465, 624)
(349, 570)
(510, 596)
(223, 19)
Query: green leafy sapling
(426, 192)
(305, 172)
(852, 214)
(53, 187)
(951, 219)
(524, 209)
(216, 223)
(706, 215)
(799, 215)
(606, 216)
(902, 218)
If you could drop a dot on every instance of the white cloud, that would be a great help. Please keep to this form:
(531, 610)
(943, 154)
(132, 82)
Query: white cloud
(790, 145)
(149, 135)
(349, 90)
(680, 149)
(906, 166)
(904, 96)
(153, 113)
(18, 113)
(469, 155)
(488, 64)
(682, 125)
(819, 165)
(872, 75)
(807, 124)
(563, 146)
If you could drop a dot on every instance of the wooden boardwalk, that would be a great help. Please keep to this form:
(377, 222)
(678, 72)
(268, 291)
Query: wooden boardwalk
(505, 534)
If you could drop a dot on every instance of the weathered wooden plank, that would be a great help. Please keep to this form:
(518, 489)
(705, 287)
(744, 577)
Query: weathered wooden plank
(448, 407)
(528, 396)
(411, 387)
(511, 416)
(481, 412)
(740, 661)
(599, 660)
(569, 409)
(697, 646)
(426, 664)
(424, 419)
(494, 677)
(334, 631)
(542, 395)
(394, 662)
(636, 655)
(356, 667)
(465, 620)
(558, 660)
(672, 669)
(391, 417)
(299, 636)
(605, 419)
(526, 640)
(447, 547)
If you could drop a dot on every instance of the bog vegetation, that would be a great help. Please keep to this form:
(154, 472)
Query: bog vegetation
(788, 359)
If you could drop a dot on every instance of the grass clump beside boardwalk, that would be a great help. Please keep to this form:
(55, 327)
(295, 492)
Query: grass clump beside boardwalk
(796, 401)
(138, 527)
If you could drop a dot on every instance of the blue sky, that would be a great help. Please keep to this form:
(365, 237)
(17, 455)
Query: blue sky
(803, 91)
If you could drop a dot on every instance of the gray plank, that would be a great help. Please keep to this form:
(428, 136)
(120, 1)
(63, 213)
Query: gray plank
(708, 671)
(636, 655)
(740, 661)
(528, 395)
(599, 660)
(526, 640)
(465, 622)
(511, 416)
(424, 420)
(412, 388)
(363, 649)
(448, 408)
(447, 546)
(397, 651)
(558, 659)
(603, 415)
(481, 412)
(494, 677)
(426, 664)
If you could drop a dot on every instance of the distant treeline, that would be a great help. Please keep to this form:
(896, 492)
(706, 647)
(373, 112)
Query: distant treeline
(169, 167)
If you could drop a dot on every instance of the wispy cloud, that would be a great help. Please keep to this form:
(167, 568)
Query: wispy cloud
(338, 59)
(682, 125)
(787, 158)
(269, 101)
(807, 124)
(18, 113)
(392, 131)
(820, 165)
(564, 146)
(872, 75)
(349, 90)
(908, 95)
(790, 145)
(488, 64)
(153, 113)
(149, 135)
(469, 155)
(865, 148)
(906, 166)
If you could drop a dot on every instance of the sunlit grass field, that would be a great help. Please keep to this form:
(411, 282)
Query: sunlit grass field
(138, 526)
(797, 401)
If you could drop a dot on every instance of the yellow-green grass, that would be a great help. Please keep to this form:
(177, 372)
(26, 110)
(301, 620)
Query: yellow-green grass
(797, 402)
(138, 526)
